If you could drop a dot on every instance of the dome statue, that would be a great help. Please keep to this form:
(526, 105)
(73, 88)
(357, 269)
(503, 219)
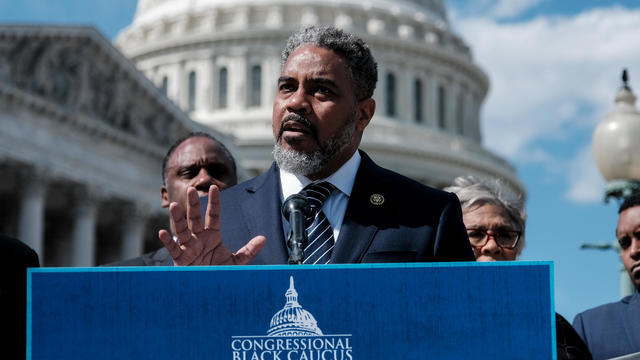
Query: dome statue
(293, 320)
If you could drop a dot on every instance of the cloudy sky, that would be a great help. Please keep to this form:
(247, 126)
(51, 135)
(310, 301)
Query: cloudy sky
(554, 68)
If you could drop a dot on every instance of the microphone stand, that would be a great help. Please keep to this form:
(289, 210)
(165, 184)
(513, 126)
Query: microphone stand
(296, 210)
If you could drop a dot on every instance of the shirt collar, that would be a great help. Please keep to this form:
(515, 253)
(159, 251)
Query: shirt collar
(342, 179)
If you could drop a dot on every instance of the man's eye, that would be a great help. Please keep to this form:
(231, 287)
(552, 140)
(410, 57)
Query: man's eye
(624, 242)
(324, 90)
(286, 87)
(187, 173)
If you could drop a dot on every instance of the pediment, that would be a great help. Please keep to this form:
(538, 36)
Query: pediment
(78, 73)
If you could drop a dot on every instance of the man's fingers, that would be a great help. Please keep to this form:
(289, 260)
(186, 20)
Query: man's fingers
(167, 240)
(194, 211)
(179, 221)
(212, 217)
(249, 251)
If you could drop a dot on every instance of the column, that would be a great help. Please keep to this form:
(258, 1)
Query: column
(209, 79)
(182, 83)
(203, 85)
(83, 240)
(380, 94)
(270, 74)
(468, 119)
(430, 108)
(404, 95)
(133, 227)
(31, 221)
(173, 88)
(237, 81)
(475, 116)
(450, 112)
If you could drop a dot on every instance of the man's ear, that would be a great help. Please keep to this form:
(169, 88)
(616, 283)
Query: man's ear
(165, 197)
(366, 109)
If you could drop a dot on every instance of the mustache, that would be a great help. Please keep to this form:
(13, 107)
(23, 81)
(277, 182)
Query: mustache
(297, 118)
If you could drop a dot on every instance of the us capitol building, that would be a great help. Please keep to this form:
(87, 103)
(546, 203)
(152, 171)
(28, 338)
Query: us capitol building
(85, 124)
(292, 319)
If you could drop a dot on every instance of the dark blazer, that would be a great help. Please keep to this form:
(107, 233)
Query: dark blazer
(15, 257)
(414, 223)
(611, 330)
(158, 257)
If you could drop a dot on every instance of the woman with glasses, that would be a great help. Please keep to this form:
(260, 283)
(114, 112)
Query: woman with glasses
(495, 220)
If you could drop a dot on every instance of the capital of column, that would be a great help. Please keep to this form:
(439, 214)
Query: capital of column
(33, 179)
(136, 211)
(85, 199)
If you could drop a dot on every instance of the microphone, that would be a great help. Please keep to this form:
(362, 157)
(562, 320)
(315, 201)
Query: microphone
(296, 210)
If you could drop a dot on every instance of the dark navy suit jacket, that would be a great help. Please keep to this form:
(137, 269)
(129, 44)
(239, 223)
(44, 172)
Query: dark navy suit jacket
(414, 223)
(159, 257)
(611, 330)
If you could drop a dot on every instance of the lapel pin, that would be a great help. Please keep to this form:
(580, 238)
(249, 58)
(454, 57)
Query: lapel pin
(376, 199)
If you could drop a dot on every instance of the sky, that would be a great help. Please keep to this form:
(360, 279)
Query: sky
(554, 68)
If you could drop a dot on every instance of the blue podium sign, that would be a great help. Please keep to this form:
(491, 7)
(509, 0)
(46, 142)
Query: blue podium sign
(326, 312)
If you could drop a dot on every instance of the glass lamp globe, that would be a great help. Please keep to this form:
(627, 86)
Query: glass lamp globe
(616, 147)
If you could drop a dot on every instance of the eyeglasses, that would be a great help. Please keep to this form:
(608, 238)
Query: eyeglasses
(508, 239)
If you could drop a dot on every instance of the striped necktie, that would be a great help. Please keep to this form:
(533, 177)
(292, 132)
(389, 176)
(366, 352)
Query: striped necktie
(319, 233)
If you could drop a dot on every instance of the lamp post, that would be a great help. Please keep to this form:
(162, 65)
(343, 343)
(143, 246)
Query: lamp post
(615, 149)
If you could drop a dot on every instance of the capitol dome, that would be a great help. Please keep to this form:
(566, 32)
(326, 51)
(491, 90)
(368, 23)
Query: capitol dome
(219, 60)
(293, 320)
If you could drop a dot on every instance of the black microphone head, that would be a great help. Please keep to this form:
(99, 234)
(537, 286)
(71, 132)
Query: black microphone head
(295, 202)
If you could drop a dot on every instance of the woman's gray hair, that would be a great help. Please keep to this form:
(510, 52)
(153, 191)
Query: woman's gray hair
(474, 192)
(362, 66)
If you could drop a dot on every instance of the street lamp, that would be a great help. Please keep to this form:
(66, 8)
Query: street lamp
(615, 148)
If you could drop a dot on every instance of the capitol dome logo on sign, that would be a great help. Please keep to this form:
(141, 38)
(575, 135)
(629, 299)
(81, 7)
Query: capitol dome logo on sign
(293, 335)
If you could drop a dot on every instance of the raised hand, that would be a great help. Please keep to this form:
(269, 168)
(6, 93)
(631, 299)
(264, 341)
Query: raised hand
(201, 243)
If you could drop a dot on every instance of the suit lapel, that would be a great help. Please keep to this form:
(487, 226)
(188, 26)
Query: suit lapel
(363, 214)
(632, 319)
(262, 212)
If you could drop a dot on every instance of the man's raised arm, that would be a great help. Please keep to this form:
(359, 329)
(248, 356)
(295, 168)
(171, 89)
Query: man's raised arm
(201, 243)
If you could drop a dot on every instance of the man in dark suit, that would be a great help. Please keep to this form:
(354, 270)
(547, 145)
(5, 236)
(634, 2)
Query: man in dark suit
(196, 160)
(322, 106)
(15, 258)
(613, 329)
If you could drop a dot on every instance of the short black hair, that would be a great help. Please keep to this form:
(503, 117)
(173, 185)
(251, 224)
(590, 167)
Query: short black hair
(363, 68)
(631, 201)
(184, 138)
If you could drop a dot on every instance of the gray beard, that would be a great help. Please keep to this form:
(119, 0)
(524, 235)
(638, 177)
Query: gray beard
(301, 163)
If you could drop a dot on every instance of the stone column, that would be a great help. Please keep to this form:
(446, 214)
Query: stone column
(451, 90)
(237, 80)
(380, 95)
(270, 72)
(475, 109)
(208, 79)
(173, 88)
(31, 221)
(430, 108)
(466, 113)
(182, 83)
(405, 95)
(83, 241)
(133, 227)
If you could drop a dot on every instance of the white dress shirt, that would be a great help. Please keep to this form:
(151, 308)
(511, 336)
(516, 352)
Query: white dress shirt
(336, 205)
